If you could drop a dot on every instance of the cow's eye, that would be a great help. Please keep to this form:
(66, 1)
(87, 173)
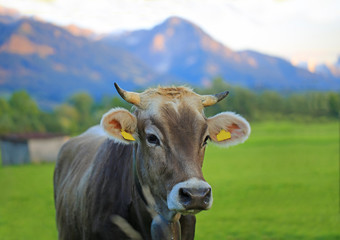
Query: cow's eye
(206, 140)
(151, 138)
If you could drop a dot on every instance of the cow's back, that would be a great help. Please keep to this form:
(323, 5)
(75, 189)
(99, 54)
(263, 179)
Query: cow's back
(73, 169)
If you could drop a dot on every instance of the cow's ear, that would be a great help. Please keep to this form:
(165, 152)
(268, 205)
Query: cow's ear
(120, 125)
(227, 129)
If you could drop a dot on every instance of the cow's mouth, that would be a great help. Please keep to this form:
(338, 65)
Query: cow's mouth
(189, 212)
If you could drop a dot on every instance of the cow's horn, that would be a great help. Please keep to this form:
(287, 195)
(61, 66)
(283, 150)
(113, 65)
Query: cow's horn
(130, 97)
(209, 100)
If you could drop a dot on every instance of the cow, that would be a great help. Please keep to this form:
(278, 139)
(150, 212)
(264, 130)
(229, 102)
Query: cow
(142, 169)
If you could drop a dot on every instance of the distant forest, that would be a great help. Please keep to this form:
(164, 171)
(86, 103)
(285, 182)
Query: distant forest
(20, 113)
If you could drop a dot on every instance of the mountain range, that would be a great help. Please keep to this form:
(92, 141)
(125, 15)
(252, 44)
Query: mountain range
(183, 50)
(53, 62)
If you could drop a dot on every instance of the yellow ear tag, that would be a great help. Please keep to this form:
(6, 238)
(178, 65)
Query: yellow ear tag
(127, 136)
(223, 135)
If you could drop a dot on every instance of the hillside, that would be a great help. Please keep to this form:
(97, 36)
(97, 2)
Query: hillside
(53, 62)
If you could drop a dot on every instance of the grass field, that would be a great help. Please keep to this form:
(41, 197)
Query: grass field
(283, 183)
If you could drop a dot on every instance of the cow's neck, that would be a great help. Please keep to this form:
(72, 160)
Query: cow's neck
(136, 178)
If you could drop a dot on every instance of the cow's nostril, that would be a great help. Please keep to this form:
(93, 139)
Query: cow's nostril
(207, 195)
(185, 196)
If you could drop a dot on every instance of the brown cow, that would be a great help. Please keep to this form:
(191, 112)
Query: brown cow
(100, 175)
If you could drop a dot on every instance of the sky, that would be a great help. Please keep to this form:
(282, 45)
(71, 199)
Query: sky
(297, 30)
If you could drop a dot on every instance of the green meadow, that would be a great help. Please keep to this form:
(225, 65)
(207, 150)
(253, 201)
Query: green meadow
(283, 183)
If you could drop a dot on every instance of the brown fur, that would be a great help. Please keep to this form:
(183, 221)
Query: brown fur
(94, 177)
(182, 143)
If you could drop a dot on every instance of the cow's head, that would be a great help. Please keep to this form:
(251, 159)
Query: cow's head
(172, 132)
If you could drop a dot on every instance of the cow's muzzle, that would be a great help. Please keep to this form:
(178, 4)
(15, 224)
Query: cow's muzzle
(190, 197)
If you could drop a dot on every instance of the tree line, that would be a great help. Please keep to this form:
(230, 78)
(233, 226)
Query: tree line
(20, 112)
(271, 105)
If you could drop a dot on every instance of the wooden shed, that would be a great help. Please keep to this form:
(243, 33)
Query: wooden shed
(30, 148)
